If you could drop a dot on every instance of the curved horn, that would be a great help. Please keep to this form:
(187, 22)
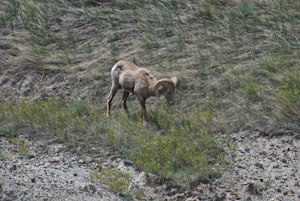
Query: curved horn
(164, 82)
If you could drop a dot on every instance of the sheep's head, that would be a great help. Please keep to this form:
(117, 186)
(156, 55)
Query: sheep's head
(167, 87)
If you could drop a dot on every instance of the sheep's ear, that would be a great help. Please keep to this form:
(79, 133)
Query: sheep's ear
(176, 82)
(164, 84)
(161, 90)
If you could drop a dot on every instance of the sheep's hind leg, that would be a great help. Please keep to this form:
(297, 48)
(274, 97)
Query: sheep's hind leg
(142, 101)
(112, 93)
(124, 99)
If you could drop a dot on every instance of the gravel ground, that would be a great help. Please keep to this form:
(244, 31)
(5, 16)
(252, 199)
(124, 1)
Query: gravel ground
(266, 168)
(53, 176)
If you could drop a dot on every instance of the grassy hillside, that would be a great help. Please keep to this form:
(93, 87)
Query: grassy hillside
(238, 62)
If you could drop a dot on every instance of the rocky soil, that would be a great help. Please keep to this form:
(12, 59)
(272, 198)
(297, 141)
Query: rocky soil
(45, 171)
(265, 168)
(56, 175)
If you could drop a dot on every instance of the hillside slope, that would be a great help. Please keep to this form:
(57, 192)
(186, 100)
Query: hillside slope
(237, 57)
(238, 62)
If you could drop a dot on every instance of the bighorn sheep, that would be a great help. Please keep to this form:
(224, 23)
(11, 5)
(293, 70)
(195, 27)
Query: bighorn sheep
(139, 81)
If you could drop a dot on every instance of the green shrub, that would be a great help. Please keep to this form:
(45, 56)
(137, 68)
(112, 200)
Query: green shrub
(3, 156)
(251, 88)
(245, 8)
(22, 145)
(289, 95)
(116, 181)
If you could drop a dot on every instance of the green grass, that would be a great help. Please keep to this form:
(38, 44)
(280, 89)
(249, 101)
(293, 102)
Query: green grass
(169, 145)
(238, 63)
(3, 156)
(63, 121)
(172, 146)
(116, 181)
(289, 96)
(22, 146)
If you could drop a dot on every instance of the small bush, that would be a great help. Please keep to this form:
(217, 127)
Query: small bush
(116, 181)
(245, 8)
(22, 145)
(207, 9)
(275, 64)
(3, 156)
(251, 89)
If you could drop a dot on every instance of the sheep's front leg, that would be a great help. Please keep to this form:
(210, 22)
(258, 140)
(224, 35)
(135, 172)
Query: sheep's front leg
(142, 101)
(124, 99)
(112, 93)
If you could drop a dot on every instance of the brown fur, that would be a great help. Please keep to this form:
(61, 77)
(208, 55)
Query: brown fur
(139, 81)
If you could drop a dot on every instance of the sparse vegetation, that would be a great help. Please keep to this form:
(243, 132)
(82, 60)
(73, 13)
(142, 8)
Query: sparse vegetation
(116, 181)
(184, 144)
(22, 145)
(268, 183)
(289, 95)
(238, 62)
(3, 156)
